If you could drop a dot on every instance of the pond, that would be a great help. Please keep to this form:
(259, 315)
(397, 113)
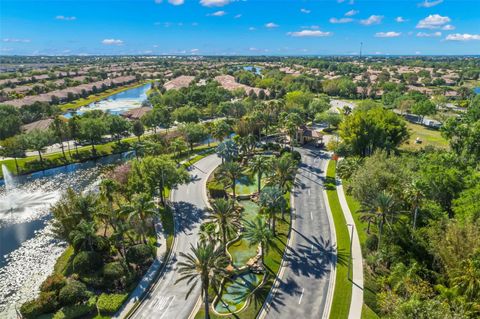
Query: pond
(236, 292)
(117, 103)
(28, 248)
(258, 70)
(476, 90)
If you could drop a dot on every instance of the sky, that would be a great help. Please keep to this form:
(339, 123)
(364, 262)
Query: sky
(239, 27)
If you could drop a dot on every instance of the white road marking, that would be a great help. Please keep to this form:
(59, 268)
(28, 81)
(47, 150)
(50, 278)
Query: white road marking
(188, 190)
(311, 215)
(309, 192)
(311, 250)
(301, 296)
(166, 310)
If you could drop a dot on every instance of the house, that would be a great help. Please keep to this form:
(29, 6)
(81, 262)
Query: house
(137, 113)
(307, 134)
(41, 125)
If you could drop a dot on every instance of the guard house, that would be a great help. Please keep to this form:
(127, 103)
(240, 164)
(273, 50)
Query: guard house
(307, 134)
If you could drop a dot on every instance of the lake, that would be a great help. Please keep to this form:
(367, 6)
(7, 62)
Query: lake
(117, 103)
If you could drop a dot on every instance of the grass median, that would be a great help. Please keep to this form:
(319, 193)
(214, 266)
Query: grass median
(343, 286)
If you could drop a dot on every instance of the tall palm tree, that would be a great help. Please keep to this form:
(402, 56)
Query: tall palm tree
(118, 237)
(283, 171)
(231, 171)
(226, 218)
(205, 263)
(108, 188)
(414, 195)
(272, 199)
(141, 208)
(258, 232)
(259, 165)
(379, 208)
(84, 235)
(468, 280)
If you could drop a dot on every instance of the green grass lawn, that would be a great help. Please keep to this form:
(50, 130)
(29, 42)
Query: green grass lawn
(429, 137)
(273, 260)
(343, 286)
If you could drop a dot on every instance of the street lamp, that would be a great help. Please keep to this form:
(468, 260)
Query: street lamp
(350, 257)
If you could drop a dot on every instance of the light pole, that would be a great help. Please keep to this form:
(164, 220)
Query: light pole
(350, 256)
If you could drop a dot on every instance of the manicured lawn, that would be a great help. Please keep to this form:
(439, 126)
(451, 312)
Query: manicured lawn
(343, 286)
(273, 260)
(368, 313)
(429, 137)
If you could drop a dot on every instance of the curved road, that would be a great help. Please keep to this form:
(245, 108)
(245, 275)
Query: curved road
(305, 284)
(167, 300)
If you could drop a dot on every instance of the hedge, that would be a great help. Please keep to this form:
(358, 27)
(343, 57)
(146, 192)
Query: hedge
(76, 311)
(110, 303)
(73, 292)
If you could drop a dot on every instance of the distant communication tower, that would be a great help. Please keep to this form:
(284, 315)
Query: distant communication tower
(361, 45)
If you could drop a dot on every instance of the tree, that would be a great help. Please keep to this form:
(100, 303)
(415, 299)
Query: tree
(118, 127)
(423, 108)
(382, 206)
(84, 236)
(365, 131)
(221, 129)
(60, 132)
(257, 232)
(13, 147)
(272, 200)
(205, 264)
(186, 114)
(92, 130)
(226, 218)
(331, 118)
(38, 140)
(177, 146)
(138, 129)
(283, 170)
(10, 121)
(259, 165)
(318, 105)
(193, 133)
(291, 124)
(231, 171)
(227, 151)
(140, 209)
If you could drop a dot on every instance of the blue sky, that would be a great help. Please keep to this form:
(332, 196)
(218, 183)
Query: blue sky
(239, 27)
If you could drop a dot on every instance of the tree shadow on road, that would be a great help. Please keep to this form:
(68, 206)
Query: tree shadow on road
(187, 216)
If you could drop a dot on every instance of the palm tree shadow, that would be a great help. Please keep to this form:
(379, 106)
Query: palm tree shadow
(187, 216)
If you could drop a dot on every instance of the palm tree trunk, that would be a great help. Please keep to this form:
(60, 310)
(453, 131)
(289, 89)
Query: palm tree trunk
(259, 176)
(415, 215)
(40, 156)
(205, 300)
(224, 237)
(16, 165)
(273, 223)
(233, 188)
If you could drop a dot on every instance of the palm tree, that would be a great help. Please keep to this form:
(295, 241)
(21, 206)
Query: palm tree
(231, 171)
(84, 235)
(225, 217)
(227, 150)
(141, 208)
(258, 232)
(118, 237)
(272, 199)
(284, 169)
(415, 195)
(379, 208)
(108, 188)
(259, 165)
(205, 263)
(468, 280)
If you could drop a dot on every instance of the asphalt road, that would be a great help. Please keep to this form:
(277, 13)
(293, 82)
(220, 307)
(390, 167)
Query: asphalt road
(304, 285)
(167, 300)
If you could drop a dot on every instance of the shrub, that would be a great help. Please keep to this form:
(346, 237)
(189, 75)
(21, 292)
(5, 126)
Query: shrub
(86, 262)
(114, 270)
(95, 281)
(45, 303)
(74, 292)
(372, 242)
(216, 190)
(110, 303)
(53, 282)
(139, 254)
(77, 311)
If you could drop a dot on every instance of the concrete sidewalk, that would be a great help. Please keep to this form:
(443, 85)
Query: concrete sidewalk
(149, 276)
(357, 260)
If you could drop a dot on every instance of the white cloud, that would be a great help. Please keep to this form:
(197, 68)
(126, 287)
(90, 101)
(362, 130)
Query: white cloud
(176, 2)
(429, 4)
(214, 3)
(305, 10)
(194, 51)
(158, 1)
(271, 25)
(389, 34)
(238, 16)
(112, 42)
(309, 33)
(371, 20)
(252, 29)
(351, 13)
(462, 37)
(418, 52)
(66, 18)
(253, 49)
(220, 13)
(400, 19)
(341, 20)
(14, 40)
(429, 35)
(448, 27)
(433, 21)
